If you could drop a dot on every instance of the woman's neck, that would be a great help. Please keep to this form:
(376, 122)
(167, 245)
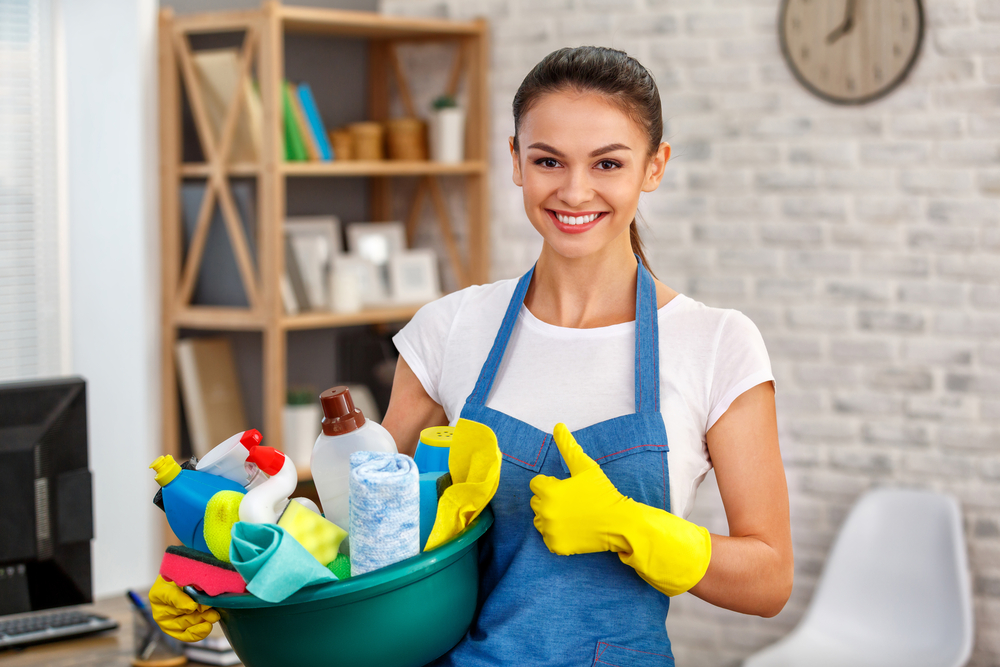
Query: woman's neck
(585, 292)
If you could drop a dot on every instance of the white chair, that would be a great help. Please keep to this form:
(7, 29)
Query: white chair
(895, 590)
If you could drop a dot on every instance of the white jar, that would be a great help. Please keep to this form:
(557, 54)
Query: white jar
(447, 135)
(300, 422)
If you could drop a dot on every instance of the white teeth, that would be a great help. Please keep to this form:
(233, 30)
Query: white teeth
(576, 220)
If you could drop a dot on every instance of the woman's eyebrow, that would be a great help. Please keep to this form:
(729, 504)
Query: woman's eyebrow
(608, 149)
(600, 151)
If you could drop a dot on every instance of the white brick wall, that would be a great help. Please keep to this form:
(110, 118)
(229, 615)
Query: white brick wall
(864, 242)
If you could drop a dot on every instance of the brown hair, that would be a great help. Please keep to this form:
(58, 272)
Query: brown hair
(612, 73)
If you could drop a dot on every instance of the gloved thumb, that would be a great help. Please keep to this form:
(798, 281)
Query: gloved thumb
(576, 459)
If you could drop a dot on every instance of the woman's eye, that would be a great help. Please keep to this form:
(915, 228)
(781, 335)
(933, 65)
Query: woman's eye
(608, 164)
(547, 162)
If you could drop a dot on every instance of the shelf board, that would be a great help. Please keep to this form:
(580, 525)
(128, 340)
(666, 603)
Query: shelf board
(204, 170)
(366, 24)
(380, 168)
(344, 168)
(325, 320)
(218, 317)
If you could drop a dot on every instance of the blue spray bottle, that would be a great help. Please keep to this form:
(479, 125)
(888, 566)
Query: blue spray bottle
(185, 495)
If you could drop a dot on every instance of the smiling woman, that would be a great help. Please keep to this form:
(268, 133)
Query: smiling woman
(611, 396)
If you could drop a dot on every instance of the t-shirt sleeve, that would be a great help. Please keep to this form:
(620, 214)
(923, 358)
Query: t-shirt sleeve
(424, 339)
(741, 363)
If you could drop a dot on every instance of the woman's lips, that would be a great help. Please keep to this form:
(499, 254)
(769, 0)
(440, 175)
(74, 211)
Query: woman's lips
(575, 229)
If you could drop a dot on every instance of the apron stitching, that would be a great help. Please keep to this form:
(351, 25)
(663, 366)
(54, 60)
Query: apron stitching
(627, 450)
(539, 453)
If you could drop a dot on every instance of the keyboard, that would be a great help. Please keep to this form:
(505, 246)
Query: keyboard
(34, 628)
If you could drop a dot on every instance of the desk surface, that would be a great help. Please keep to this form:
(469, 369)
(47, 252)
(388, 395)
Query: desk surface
(108, 649)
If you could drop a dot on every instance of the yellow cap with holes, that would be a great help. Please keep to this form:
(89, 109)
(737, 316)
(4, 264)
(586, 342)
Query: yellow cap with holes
(437, 436)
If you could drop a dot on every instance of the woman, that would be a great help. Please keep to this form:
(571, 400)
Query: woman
(654, 389)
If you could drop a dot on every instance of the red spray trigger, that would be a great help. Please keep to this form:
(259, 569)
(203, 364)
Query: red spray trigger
(251, 438)
(268, 459)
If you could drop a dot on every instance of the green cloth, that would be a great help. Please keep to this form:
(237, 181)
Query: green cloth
(272, 562)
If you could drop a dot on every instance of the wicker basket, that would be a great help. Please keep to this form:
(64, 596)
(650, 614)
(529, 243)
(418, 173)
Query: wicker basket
(407, 139)
(343, 144)
(368, 138)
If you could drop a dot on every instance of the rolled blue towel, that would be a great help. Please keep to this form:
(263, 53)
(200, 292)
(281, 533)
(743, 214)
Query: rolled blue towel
(385, 510)
(272, 562)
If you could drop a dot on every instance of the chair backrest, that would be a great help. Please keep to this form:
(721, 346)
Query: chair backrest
(899, 568)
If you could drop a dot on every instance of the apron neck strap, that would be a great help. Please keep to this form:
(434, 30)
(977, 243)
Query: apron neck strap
(647, 363)
(647, 348)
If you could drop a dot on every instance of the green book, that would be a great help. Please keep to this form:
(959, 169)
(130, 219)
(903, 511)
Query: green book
(295, 147)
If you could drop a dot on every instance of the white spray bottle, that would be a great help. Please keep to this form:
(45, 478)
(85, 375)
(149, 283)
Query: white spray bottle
(229, 459)
(345, 431)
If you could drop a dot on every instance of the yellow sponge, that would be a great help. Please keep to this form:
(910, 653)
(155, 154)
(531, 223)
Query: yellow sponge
(222, 511)
(318, 535)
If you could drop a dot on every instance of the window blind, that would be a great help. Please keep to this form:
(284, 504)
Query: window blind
(30, 311)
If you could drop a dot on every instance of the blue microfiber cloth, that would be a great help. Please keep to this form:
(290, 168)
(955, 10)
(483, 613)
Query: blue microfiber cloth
(385, 510)
(272, 562)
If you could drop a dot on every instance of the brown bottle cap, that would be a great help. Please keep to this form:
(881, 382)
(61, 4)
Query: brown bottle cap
(339, 414)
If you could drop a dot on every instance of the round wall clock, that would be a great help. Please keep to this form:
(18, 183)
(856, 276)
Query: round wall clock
(851, 51)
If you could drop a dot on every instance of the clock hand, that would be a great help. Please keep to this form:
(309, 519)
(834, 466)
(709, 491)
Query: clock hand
(846, 26)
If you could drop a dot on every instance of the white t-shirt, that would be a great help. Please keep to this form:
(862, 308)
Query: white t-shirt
(550, 374)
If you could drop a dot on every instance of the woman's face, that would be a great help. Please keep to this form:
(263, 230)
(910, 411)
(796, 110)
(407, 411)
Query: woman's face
(582, 165)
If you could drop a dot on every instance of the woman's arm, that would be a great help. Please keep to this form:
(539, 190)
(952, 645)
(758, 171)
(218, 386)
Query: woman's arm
(411, 410)
(750, 570)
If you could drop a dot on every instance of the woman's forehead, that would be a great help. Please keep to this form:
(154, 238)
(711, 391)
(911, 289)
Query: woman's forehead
(580, 118)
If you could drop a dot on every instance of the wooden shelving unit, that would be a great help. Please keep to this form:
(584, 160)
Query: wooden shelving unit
(264, 33)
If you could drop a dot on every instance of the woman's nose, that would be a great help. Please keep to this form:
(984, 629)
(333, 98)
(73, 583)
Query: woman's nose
(576, 189)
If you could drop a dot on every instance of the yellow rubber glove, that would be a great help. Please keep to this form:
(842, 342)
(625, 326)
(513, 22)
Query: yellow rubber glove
(587, 514)
(177, 614)
(474, 463)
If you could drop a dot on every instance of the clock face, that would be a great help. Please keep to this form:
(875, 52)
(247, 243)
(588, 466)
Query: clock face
(850, 51)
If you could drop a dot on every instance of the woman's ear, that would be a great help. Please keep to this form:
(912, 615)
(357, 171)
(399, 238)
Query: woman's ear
(656, 167)
(517, 163)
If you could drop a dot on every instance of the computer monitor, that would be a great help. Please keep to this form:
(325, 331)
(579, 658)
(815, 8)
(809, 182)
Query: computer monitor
(46, 511)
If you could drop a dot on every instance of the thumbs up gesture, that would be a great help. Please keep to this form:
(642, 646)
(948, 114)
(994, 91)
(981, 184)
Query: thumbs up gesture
(587, 514)
(577, 515)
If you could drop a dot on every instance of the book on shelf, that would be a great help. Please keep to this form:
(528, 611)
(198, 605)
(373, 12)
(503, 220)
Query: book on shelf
(312, 148)
(315, 122)
(210, 391)
(218, 73)
(295, 148)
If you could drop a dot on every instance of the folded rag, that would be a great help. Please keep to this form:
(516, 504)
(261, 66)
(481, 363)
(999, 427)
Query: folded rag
(272, 562)
(474, 462)
(385, 510)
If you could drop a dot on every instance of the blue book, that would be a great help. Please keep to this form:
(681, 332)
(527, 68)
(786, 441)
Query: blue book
(315, 122)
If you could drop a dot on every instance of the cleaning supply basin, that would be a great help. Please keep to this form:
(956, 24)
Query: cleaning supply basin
(404, 615)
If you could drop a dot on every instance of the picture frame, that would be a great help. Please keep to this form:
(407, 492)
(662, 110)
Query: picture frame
(414, 276)
(315, 243)
(377, 242)
(361, 275)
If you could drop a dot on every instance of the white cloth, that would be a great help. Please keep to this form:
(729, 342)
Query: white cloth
(549, 374)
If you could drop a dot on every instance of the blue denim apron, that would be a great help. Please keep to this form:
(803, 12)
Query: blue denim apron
(537, 608)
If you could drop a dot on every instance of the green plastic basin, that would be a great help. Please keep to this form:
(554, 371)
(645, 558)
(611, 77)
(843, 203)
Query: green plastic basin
(404, 615)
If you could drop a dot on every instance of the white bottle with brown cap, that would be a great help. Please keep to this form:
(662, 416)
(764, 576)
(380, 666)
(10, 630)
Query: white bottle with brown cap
(345, 431)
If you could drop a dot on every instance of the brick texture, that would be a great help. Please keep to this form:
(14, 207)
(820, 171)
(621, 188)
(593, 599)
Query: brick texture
(863, 241)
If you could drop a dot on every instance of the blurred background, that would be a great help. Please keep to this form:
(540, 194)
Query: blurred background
(862, 239)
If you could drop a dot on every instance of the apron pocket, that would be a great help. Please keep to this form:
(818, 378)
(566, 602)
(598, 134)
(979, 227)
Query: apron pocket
(521, 444)
(623, 656)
